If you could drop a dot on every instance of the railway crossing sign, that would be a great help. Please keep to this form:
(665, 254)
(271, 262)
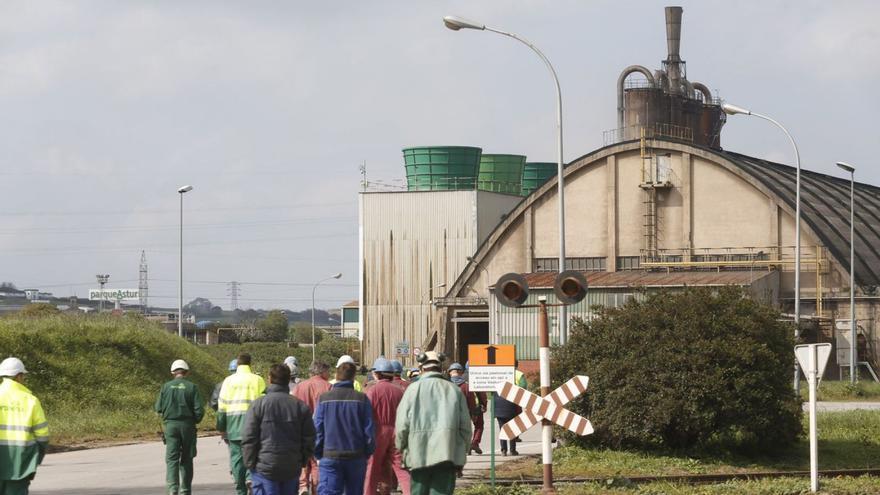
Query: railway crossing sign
(490, 365)
(551, 408)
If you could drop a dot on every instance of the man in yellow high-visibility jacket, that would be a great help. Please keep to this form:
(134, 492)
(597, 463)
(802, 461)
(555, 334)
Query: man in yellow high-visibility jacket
(237, 393)
(24, 432)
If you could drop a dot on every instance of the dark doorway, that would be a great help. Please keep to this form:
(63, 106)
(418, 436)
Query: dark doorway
(471, 332)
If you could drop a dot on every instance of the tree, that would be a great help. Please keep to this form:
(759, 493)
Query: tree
(693, 369)
(200, 307)
(301, 333)
(272, 328)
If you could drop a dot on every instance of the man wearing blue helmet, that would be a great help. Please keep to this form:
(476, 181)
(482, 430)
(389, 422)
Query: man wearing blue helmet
(214, 402)
(398, 371)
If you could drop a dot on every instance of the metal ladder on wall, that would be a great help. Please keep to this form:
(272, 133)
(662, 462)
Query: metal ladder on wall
(650, 200)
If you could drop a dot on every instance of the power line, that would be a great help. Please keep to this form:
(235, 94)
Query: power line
(154, 228)
(162, 210)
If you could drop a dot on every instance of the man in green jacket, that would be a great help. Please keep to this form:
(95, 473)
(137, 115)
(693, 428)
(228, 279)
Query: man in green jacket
(433, 429)
(180, 406)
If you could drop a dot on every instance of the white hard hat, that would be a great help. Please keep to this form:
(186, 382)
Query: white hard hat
(12, 366)
(180, 364)
(345, 358)
(290, 362)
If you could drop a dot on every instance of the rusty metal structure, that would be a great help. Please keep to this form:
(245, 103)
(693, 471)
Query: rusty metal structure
(667, 97)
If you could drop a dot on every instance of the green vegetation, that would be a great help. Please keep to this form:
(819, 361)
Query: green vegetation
(699, 369)
(782, 486)
(98, 376)
(847, 440)
(843, 391)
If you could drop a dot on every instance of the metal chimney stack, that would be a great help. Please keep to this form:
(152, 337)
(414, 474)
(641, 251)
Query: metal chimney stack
(673, 44)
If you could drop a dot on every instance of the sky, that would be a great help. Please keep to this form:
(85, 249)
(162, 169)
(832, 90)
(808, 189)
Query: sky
(269, 109)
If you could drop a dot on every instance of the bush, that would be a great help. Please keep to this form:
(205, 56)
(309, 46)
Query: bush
(693, 369)
(39, 310)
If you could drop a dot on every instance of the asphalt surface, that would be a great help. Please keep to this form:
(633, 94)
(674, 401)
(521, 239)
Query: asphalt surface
(139, 469)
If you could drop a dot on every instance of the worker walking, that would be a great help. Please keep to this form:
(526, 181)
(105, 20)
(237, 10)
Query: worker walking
(309, 391)
(433, 429)
(278, 437)
(346, 359)
(293, 365)
(180, 406)
(238, 392)
(398, 374)
(24, 432)
(345, 436)
(385, 396)
(476, 402)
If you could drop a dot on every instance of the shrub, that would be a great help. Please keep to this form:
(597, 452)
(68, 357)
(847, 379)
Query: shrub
(39, 310)
(693, 369)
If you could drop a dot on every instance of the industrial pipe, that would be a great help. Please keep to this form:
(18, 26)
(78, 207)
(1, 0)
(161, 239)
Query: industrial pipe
(620, 80)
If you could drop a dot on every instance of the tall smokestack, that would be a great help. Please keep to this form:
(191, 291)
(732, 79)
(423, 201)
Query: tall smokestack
(673, 44)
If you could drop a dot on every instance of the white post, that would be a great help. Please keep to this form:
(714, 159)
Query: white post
(853, 375)
(180, 276)
(812, 379)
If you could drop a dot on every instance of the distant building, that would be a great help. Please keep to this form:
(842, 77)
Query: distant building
(350, 319)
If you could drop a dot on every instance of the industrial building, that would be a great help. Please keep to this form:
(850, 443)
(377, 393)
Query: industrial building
(662, 205)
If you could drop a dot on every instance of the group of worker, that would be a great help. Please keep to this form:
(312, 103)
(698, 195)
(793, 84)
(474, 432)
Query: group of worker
(294, 436)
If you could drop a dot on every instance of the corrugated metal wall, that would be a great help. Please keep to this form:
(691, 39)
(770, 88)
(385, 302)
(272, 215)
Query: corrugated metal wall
(414, 241)
(520, 326)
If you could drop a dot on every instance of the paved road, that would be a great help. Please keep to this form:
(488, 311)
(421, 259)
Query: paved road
(140, 469)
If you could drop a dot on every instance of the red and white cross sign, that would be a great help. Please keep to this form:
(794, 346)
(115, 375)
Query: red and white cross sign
(551, 407)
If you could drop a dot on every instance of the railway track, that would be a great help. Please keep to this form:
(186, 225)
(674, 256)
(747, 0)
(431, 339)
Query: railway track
(693, 479)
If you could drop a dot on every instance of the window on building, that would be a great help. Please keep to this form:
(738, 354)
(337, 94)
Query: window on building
(589, 264)
(627, 263)
(350, 315)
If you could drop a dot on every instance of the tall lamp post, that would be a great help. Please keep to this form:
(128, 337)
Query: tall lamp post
(852, 270)
(456, 23)
(734, 110)
(183, 190)
(102, 279)
(336, 276)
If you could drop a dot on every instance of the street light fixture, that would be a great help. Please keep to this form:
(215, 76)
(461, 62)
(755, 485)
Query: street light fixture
(181, 191)
(731, 109)
(336, 276)
(456, 23)
(102, 279)
(852, 270)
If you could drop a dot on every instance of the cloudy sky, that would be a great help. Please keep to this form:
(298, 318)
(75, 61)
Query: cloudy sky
(268, 108)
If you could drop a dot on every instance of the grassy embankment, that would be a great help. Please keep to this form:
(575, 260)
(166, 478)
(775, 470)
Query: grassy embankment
(847, 440)
(98, 376)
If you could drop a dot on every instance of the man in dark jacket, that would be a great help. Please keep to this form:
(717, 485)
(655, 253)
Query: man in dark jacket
(278, 437)
(181, 408)
(345, 436)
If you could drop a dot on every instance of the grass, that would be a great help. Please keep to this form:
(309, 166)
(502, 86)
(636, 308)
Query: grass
(780, 486)
(97, 376)
(847, 440)
(844, 391)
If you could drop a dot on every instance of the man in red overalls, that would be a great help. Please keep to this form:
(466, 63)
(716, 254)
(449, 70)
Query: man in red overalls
(308, 391)
(384, 396)
(476, 402)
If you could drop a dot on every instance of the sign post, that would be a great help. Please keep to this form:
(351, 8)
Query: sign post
(813, 358)
(490, 366)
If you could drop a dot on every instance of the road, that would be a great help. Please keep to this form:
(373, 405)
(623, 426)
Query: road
(139, 469)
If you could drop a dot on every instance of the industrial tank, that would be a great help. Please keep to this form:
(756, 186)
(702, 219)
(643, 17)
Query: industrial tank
(501, 173)
(441, 168)
(536, 174)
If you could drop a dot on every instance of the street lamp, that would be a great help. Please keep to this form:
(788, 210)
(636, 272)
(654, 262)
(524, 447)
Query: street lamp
(338, 275)
(102, 279)
(852, 270)
(183, 190)
(456, 23)
(730, 109)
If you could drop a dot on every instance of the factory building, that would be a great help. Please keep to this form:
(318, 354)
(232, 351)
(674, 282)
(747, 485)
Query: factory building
(662, 205)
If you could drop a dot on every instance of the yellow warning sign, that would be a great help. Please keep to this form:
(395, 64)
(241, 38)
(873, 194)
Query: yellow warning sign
(491, 355)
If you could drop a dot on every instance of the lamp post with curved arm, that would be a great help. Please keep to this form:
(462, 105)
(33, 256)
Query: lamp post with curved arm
(853, 378)
(730, 109)
(457, 23)
(181, 191)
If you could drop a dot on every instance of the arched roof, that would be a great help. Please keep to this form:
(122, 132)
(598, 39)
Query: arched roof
(824, 205)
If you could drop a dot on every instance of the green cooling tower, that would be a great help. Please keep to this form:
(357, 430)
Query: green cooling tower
(535, 174)
(501, 173)
(441, 168)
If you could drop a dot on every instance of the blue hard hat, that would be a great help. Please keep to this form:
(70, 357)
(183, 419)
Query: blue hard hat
(233, 365)
(456, 366)
(382, 365)
(398, 367)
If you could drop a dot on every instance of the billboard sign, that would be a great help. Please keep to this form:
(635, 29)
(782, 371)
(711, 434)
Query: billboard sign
(114, 295)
